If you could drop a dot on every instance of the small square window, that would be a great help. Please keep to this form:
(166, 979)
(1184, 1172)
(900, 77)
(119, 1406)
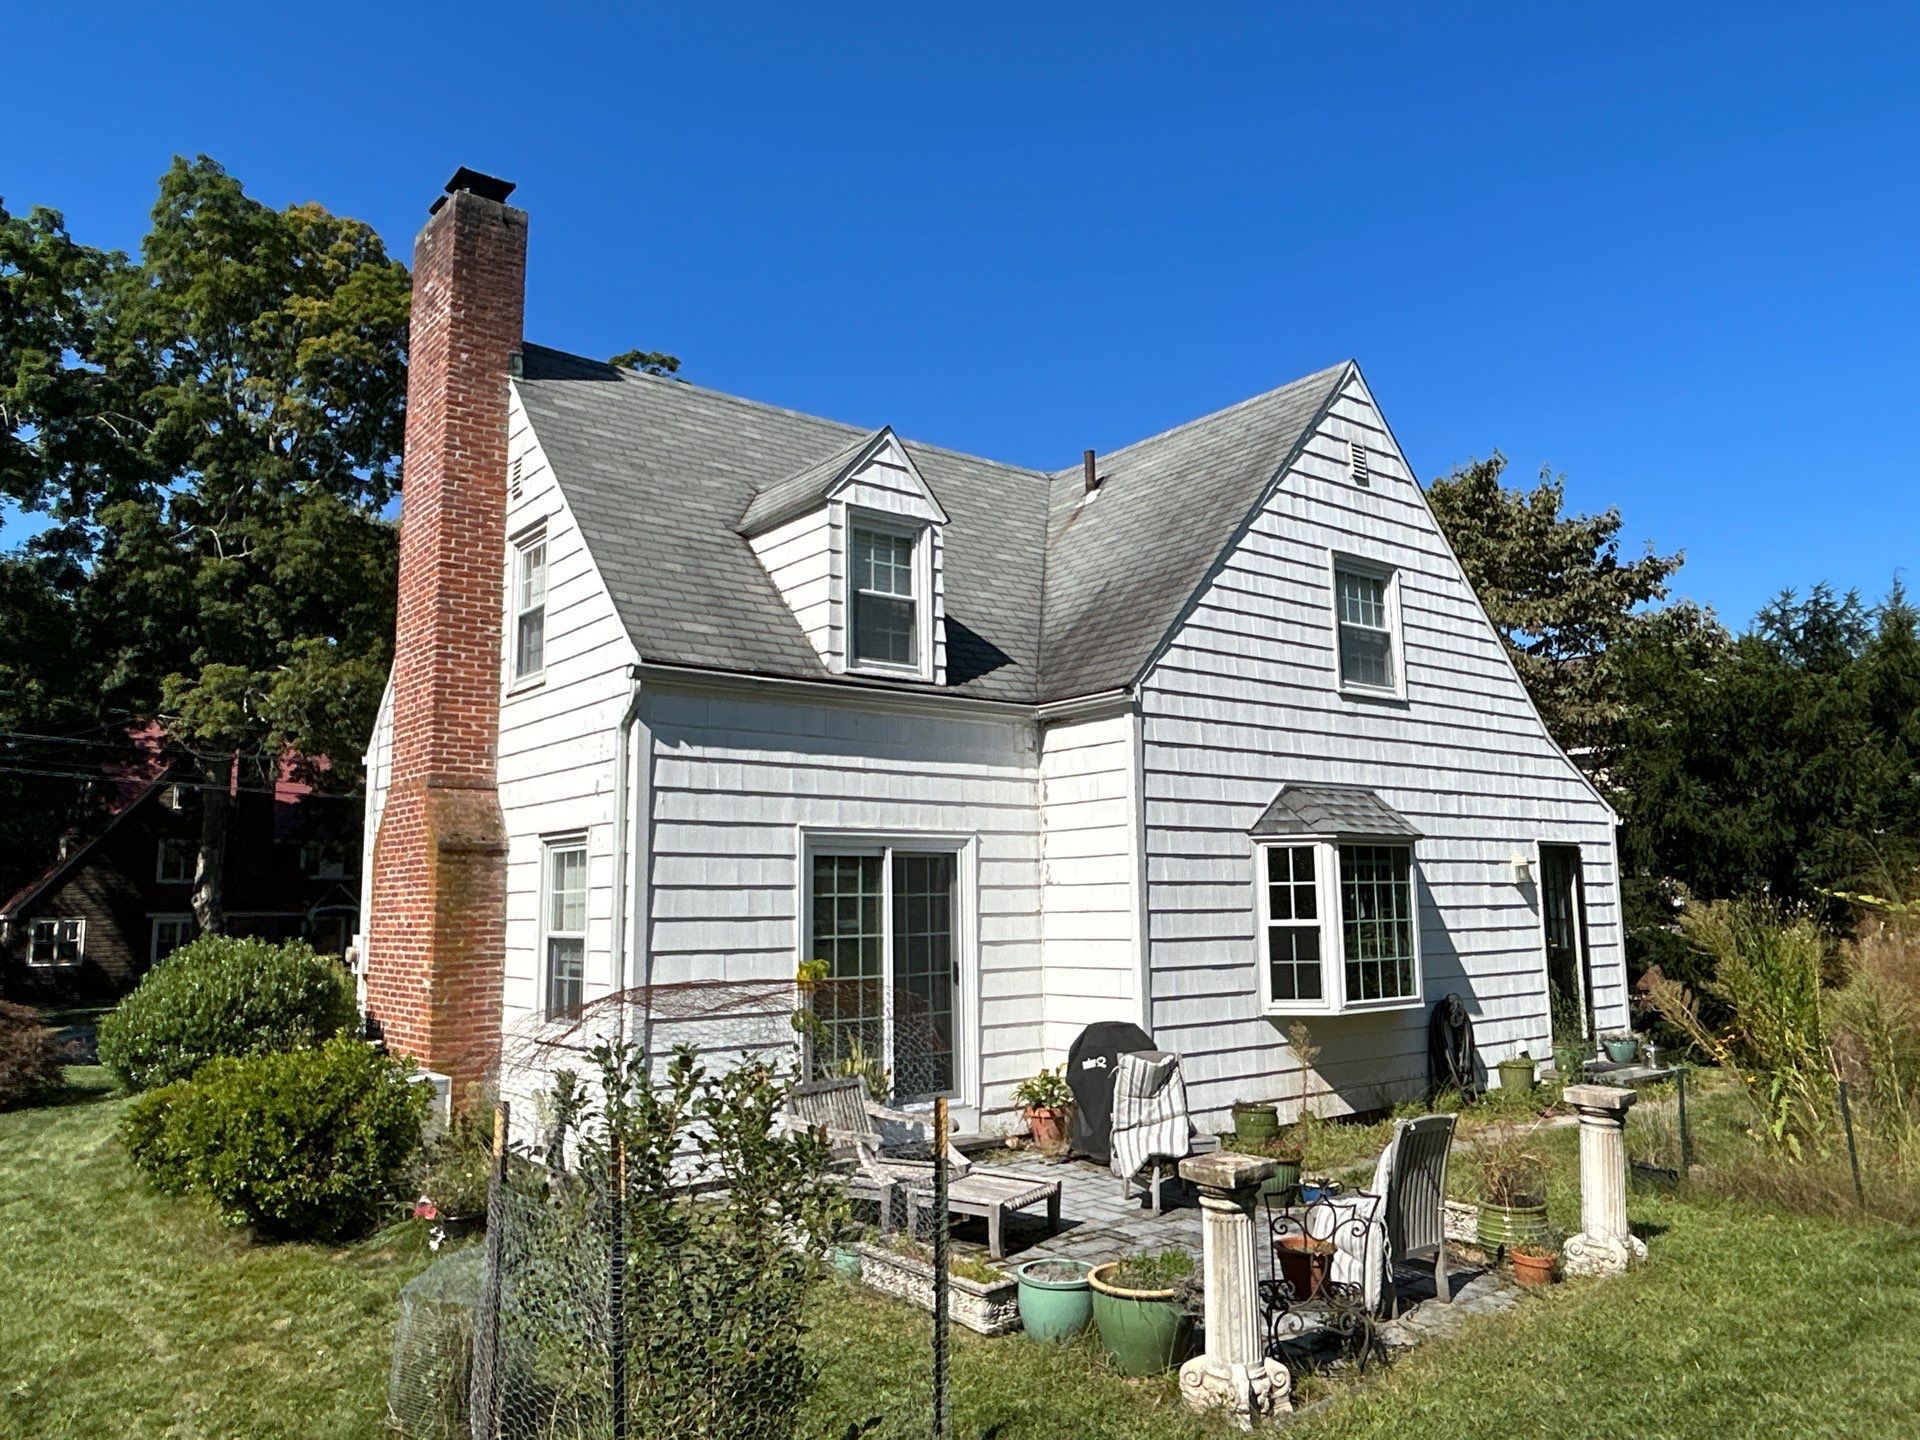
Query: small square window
(176, 860)
(170, 932)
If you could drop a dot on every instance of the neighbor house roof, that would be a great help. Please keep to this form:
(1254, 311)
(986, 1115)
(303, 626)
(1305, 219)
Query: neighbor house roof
(1048, 595)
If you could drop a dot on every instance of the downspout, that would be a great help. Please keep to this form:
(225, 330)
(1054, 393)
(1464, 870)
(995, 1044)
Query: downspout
(623, 850)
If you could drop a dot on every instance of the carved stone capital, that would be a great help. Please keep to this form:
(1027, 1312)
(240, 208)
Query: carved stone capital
(1251, 1392)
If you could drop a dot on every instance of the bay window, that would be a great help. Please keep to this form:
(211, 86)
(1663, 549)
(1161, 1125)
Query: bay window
(1339, 927)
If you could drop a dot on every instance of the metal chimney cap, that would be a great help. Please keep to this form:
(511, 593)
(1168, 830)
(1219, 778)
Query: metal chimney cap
(487, 187)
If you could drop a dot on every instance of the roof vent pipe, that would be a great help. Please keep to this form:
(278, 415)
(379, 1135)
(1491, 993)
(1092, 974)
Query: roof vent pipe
(1086, 466)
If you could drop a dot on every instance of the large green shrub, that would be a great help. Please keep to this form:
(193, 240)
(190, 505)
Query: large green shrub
(30, 1063)
(219, 996)
(300, 1144)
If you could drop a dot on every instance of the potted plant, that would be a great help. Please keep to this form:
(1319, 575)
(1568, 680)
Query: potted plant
(1056, 1302)
(1516, 1075)
(1048, 1100)
(1513, 1195)
(1304, 1262)
(1143, 1307)
(1255, 1120)
(1287, 1151)
(1534, 1262)
(1623, 1047)
(844, 1254)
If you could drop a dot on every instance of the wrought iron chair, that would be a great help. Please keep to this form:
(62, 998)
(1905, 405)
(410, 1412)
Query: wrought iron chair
(1412, 1175)
(1307, 1298)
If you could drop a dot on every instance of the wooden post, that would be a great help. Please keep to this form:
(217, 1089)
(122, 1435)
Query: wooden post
(617, 1281)
(486, 1336)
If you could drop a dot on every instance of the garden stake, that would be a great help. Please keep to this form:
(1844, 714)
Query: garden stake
(1686, 1135)
(941, 1279)
(1853, 1154)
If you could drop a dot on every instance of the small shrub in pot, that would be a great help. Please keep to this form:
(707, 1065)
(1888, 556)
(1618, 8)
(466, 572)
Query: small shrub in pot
(1513, 1194)
(223, 997)
(1144, 1308)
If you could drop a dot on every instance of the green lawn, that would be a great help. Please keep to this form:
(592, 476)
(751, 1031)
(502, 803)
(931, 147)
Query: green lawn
(126, 1314)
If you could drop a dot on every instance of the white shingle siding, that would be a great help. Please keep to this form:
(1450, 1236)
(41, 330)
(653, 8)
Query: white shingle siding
(806, 561)
(1090, 898)
(735, 780)
(1245, 697)
(557, 739)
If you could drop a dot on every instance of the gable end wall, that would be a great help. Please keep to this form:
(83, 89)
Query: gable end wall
(1244, 698)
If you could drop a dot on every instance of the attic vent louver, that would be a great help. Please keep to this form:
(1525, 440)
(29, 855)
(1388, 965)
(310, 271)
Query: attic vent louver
(1358, 463)
(513, 476)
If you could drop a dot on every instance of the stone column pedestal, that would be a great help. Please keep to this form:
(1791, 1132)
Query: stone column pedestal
(1234, 1373)
(1605, 1244)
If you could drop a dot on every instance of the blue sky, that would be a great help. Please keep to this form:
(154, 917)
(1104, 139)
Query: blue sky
(1669, 249)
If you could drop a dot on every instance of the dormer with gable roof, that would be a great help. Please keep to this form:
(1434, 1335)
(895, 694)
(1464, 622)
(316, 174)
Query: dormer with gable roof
(853, 543)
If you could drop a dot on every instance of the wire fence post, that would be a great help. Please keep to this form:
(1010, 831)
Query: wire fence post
(1686, 1135)
(941, 1274)
(1853, 1152)
(486, 1335)
(617, 1284)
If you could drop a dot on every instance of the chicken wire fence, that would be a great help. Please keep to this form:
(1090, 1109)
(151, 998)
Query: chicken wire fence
(654, 1248)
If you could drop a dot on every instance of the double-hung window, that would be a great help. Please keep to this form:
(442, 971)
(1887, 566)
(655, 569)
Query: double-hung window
(170, 932)
(1339, 926)
(564, 917)
(1367, 621)
(57, 942)
(530, 607)
(884, 596)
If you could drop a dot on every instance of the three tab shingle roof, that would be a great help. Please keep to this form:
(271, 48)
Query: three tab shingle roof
(1048, 595)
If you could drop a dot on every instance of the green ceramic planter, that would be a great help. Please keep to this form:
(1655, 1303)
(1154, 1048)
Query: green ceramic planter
(1509, 1225)
(1623, 1052)
(1255, 1122)
(1516, 1075)
(1054, 1309)
(846, 1261)
(1144, 1331)
(1286, 1180)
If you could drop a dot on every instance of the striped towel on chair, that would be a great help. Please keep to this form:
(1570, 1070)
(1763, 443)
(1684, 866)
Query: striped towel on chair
(1149, 1111)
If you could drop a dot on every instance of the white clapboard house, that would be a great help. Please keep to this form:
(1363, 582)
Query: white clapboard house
(1209, 733)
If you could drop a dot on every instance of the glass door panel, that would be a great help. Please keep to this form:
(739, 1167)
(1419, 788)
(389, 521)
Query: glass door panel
(923, 960)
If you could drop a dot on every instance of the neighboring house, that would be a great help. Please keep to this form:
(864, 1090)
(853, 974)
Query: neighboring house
(119, 898)
(1209, 733)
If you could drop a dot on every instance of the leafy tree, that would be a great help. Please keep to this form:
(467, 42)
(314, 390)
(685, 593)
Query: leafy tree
(1557, 590)
(650, 362)
(215, 430)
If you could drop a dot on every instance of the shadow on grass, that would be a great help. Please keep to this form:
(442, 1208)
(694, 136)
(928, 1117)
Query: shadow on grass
(85, 1085)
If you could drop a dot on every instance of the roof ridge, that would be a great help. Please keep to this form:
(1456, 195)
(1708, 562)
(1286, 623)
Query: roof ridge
(1073, 471)
(767, 407)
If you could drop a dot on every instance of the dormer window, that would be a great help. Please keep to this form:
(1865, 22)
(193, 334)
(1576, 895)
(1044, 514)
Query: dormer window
(884, 598)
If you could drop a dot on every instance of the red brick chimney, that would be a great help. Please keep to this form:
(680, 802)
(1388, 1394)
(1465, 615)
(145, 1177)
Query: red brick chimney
(437, 932)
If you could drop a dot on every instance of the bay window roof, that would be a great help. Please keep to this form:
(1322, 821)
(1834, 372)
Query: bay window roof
(1330, 812)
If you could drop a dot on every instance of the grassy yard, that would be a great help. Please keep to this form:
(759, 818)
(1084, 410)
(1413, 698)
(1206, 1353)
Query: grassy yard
(129, 1314)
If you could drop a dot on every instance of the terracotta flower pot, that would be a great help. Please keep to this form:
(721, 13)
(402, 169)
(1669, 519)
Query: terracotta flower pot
(1047, 1125)
(1304, 1263)
(1534, 1269)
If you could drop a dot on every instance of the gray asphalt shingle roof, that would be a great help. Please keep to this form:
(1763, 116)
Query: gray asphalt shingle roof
(1046, 597)
(1331, 810)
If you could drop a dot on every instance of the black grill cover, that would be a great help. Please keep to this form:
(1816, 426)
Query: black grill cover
(1090, 1065)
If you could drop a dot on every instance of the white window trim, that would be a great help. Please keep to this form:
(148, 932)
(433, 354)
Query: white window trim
(966, 928)
(549, 846)
(153, 932)
(921, 534)
(1338, 561)
(80, 941)
(519, 548)
(1333, 955)
(160, 876)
